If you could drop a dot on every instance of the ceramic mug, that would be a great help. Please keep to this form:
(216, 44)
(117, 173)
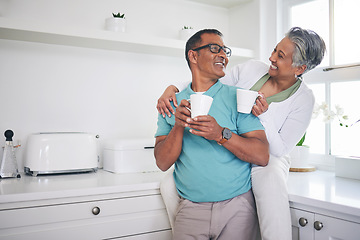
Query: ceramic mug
(200, 104)
(245, 100)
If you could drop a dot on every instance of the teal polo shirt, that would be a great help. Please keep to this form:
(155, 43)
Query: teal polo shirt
(206, 171)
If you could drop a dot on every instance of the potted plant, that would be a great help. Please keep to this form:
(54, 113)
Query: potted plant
(119, 15)
(300, 154)
(186, 32)
(300, 157)
(117, 23)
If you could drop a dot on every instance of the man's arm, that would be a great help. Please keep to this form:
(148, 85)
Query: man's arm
(168, 148)
(251, 147)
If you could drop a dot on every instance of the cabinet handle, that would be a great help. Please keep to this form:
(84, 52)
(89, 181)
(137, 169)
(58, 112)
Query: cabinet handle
(95, 210)
(303, 221)
(318, 225)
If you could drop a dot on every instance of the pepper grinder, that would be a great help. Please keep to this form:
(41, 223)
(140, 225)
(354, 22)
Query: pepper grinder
(9, 168)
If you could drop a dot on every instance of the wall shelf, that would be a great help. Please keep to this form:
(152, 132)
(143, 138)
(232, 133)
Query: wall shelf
(100, 39)
(223, 3)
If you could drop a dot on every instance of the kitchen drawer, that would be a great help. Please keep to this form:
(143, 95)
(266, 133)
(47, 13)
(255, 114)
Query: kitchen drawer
(141, 225)
(78, 211)
(161, 235)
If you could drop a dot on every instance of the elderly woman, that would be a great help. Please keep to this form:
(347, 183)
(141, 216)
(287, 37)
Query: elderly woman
(284, 110)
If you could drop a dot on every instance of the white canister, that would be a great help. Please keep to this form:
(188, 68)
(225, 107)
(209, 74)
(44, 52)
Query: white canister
(130, 155)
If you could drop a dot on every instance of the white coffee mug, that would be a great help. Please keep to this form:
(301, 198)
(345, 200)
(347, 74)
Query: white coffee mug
(200, 104)
(245, 100)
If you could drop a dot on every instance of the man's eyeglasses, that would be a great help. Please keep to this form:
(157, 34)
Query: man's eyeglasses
(215, 48)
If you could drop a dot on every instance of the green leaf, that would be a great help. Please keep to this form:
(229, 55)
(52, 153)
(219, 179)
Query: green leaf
(187, 27)
(300, 143)
(118, 15)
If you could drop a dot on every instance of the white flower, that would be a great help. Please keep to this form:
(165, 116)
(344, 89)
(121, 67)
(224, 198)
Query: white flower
(316, 111)
(324, 106)
(339, 110)
(328, 114)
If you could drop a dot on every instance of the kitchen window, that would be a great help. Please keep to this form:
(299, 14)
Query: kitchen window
(337, 80)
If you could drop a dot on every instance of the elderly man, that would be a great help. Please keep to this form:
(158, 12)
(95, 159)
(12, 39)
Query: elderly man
(212, 153)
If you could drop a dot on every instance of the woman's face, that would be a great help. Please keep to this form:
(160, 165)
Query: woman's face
(281, 60)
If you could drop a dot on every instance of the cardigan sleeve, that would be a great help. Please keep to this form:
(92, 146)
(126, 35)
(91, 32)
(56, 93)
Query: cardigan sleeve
(243, 75)
(246, 74)
(181, 85)
(284, 138)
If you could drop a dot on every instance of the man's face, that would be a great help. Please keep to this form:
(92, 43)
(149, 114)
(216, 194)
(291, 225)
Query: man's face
(211, 65)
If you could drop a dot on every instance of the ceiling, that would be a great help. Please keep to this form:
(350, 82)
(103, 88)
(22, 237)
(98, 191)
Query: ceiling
(222, 3)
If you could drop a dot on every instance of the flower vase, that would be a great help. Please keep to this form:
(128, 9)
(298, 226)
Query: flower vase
(185, 34)
(299, 158)
(115, 24)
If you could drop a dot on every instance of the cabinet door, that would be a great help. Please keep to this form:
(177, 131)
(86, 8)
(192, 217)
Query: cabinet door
(333, 228)
(162, 235)
(86, 220)
(79, 211)
(302, 224)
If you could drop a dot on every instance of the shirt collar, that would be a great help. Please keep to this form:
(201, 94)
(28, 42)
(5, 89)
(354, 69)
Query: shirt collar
(210, 92)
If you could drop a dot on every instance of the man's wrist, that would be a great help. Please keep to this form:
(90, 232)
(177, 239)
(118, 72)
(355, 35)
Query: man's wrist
(226, 134)
(220, 136)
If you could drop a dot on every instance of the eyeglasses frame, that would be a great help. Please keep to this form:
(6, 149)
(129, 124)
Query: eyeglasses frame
(220, 48)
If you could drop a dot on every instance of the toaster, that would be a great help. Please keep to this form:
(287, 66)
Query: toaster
(61, 152)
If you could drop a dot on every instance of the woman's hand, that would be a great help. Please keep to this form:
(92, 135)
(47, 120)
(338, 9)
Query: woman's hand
(261, 105)
(163, 106)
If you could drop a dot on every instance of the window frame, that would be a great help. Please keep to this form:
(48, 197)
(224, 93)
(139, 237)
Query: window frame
(326, 75)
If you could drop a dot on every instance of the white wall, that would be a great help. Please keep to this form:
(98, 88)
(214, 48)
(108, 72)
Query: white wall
(269, 23)
(253, 25)
(61, 88)
(244, 26)
(58, 88)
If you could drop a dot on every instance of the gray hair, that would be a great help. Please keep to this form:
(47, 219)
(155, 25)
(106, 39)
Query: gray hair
(309, 48)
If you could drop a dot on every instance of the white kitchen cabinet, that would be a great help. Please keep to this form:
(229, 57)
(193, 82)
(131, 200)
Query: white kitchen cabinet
(100, 39)
(131, 207)
(149, 236)
(312, 226)
(321, 197)
(305, 230)
(87, 219)
(96, 206)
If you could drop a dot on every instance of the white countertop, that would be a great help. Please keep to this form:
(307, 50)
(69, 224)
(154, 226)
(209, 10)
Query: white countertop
(323, 190)
(315, 189)
(28, 188)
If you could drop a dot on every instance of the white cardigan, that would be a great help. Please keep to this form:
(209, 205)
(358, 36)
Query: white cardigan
(284, 122)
